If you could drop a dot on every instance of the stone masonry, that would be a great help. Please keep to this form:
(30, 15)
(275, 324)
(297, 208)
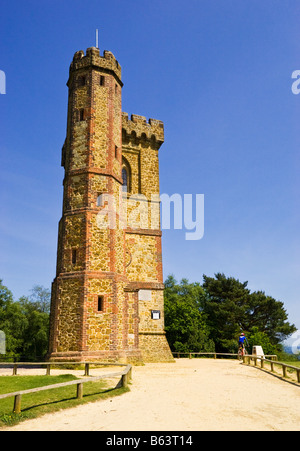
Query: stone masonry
(107, 297)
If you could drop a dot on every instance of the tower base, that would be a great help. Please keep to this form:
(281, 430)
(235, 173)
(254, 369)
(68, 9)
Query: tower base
(154, 347)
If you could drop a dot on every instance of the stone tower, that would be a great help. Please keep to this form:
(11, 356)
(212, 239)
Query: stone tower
(107, 296)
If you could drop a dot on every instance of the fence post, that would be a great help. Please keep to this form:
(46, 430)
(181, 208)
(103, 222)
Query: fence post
(298, 375)
(79, 391)
(284, 370)
(48, 370)
(87, 369)
(15, 369)
(272, 366)
(17, 404)
(261, 363)
(124, 380)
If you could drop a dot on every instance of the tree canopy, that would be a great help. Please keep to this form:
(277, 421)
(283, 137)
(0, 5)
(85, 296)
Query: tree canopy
(25, 323)
(212, 315)
(185, 323)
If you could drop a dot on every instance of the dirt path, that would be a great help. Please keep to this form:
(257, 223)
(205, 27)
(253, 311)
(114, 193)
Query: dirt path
(190, 395)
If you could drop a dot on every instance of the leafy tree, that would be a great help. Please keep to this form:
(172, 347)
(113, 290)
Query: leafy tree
(185, 322)
(230, 307)
(40, 297)
(269, 316)
(25, 323)
(12, 322)
(256, 337)
(35, 334)
(225, 306)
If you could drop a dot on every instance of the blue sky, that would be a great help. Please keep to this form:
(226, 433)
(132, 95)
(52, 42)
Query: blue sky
(218, 74)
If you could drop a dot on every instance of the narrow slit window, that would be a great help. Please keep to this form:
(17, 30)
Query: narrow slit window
(102, 80)
(126, 176)
(100, 303)
(125, 180)
(74, 256)
(99, 200)
(81, 114)
(81, 81)
(116, 151)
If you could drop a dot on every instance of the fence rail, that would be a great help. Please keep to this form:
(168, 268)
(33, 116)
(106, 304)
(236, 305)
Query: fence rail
(125, 375)
(247, 359)
(190, 354)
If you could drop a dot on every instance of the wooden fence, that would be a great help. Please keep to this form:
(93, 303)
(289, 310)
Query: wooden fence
(190, 354)
(125, 375)
(262, 362)
(248, 358)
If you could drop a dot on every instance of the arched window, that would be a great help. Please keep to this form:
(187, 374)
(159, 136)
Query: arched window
(126, 176)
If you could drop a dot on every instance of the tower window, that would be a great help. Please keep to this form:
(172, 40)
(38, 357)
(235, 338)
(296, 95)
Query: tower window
(102, 80)
(81, 81)
(74, 256)
(99, 201)
(116, 152)
(116, 89)
(125, 180)
(126, 176)
(100, 303)
(81, 114)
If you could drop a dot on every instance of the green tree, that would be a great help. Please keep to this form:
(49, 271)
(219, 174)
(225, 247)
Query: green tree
(269, 316)
(25, 323)
(225, 306)
(185, 322)
(35, 334)
(258, 338)
(40, 297)
(230, 308)
(12, 322)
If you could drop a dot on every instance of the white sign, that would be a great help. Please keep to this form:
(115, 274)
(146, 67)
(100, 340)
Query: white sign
(144, 295)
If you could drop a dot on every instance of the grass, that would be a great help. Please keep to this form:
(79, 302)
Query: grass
(293, 363)
(291, 374)
(47, 401)
(290, 371)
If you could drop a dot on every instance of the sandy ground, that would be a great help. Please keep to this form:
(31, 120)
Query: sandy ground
(189, 395)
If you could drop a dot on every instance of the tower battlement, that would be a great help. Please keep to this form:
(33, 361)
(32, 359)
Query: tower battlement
(93, 58)
(140, 128)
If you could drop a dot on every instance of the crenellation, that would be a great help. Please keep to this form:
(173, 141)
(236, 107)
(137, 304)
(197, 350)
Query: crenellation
(138, 127)
(93, 58)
